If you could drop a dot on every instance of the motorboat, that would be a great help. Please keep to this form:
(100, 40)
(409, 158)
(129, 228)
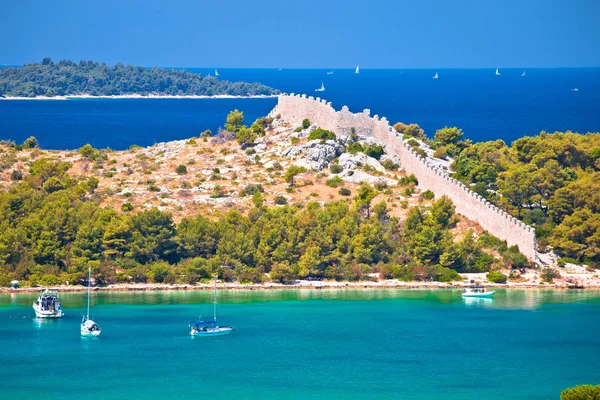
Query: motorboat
(88, 327)
(477, 291)
(48, 305)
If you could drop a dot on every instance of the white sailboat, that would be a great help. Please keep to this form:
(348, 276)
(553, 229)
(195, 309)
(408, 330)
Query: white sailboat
(210, 328)
(330, 73)
(357, 70)
(436, 76)
(321, 89)
(497, 72)
(216, 72)
(524, 73)
(88, 327)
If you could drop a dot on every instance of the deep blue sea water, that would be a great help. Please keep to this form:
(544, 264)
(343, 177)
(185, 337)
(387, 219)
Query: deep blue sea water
(372, 344)
(485, 106)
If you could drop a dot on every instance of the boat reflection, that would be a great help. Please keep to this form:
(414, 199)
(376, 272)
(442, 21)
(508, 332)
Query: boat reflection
(478, 301)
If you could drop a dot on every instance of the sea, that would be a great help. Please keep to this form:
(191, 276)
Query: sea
(305, 344)
(484, 105)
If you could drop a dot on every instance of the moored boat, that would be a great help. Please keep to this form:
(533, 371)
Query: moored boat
(48, 305)
(210, 328)
(88, 327)
(477, 291)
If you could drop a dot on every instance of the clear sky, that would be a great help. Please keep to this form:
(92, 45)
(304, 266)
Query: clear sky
(305, 34)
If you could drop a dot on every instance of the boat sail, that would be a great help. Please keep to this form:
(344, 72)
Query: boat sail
(524, 73)
(210, 328)
(216, 72)
(357, 70)
(321, 89)
(48, 305)
(88, 327)
(436, 76)
(497, 72)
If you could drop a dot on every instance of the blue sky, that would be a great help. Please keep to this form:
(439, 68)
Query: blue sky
(305, 34)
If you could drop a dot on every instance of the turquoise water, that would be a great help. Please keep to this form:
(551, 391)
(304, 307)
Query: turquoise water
(371, 344)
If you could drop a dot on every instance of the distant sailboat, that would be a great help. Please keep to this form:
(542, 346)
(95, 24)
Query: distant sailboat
(497, 72)
(88, 327)
(575, 90)
(321, 89)
(216, 72)
(357, 70)
(436, 76)
(330, 73)
(524, 73)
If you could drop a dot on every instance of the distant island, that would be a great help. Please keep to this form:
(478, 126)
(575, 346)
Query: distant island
(91, 79)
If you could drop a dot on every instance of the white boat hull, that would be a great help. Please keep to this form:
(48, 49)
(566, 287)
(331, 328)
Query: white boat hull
(86, 333)
(484, 295)
(47, 314)
(217, 331)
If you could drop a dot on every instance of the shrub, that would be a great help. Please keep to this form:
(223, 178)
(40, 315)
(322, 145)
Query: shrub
(413, 143)
(181, 169)
(127, 207)
(336, 168)
(390, 165)
(374, 151)
(305, 123)
(407, 180)
(217, 192)
(252, 188)
(280, 200)
(30, 143)
(235, 121)
(582, 392)
(321, 134)
(345, 192)
(245, 137)
(428, 195)
(16, 175)
(191, 142)
(334, 182)
(496, 277)
(206, 134)
(354, 148)
(440, 152)
(295, 141)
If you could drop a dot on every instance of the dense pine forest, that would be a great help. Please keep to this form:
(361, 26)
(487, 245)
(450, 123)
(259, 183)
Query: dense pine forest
(550, 181)
(91, 78)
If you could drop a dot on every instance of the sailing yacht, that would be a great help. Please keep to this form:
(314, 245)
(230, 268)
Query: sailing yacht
(210, 328)
(436, 76)
(216, 72)
(524, 73)
(357, 70)
(48, 305)
(497, 72)
(321, 89)
(88, 327)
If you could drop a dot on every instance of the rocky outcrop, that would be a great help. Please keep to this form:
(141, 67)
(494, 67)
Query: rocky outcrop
(314, 154)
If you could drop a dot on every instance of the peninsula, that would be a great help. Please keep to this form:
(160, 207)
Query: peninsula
(67, 79)
(305, 194)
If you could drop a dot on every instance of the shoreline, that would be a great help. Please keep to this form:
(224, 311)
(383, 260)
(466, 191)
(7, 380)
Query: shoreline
(307, 285)
(138, 96)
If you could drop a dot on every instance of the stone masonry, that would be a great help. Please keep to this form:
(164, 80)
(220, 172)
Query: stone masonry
(294, 108)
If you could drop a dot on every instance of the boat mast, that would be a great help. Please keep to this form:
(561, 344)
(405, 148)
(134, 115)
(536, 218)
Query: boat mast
(88, 292)
(215, 300)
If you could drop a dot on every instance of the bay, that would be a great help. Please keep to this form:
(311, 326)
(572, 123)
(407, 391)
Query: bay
(369, 344)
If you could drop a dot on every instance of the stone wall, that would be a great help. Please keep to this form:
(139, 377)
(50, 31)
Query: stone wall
(294, 108)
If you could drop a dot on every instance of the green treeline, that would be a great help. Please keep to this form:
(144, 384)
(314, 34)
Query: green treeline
(87, 77)
(550, 181)
(52, 229)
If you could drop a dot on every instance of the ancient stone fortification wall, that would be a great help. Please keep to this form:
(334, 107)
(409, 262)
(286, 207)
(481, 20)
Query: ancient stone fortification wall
(294, 108)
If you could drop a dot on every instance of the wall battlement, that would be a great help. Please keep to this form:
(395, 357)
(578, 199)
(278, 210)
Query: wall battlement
(294, 108)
